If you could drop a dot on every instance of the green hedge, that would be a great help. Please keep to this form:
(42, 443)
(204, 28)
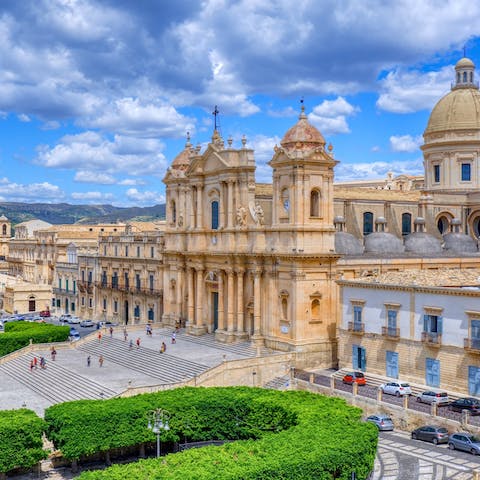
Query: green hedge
(18, 334)
(20, 439)
(287, 435)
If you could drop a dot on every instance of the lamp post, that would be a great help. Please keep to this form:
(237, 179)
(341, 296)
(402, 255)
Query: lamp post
(157, 422)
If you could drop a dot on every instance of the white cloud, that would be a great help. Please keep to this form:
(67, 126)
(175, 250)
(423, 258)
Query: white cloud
(145, 197)
(24, 118)
(84, 176)
(90, 151)
(372, 170)
(330, 117)
(284, 112)
(405, 143)
(263, 147)
(132, 181)
(32, 193)
(92, 196)
(411, 91)
(375, 149)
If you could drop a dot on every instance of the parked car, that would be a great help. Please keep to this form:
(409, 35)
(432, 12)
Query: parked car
(429, 396)
(396, 388)
(383, 422)
(74, 319)
(106, 323)
(355, 377)
(431, 433)
(86, 323)
(65, 318)
(468, 403)
(74, 334)
(464, 441)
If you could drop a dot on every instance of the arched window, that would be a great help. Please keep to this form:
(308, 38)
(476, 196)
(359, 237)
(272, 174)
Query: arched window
(476, 227)
(285, 199)
(471, 77)
(315, 203)
(315, 309)
(458, 77)
(136, 311)
(215, 215)
(443, 224)
(406, 223)
(367, 223)
(464, 77)
(173, 209)
(4, 229)
(284, 309)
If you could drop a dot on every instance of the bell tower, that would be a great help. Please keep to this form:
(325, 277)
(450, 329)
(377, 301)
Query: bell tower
(303, 188)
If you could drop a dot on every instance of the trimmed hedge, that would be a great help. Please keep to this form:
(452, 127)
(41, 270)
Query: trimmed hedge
(287, 435)
(20, 439)
(18, 334)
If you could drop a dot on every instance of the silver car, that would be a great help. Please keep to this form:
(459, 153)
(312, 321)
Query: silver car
(383, 422)
(464, 441)
(429, 396)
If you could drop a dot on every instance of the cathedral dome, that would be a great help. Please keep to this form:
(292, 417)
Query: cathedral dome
(383, 242)
(458, 242)
(422, 243)
(459, 109)
(303, 135)
(182, 160)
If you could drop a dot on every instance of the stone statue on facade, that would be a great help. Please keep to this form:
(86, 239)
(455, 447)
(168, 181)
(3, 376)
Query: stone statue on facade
(241, 216)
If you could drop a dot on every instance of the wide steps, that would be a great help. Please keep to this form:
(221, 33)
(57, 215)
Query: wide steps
(245, 349)
(55, 383)
(278, 383)
(163, 367)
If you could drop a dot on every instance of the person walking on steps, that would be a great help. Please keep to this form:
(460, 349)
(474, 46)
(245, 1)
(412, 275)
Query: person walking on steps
(130, 345)
(111, 332)
(163, 348)
(89, 360)
(100, 360)
(138, 342)
(174, 337)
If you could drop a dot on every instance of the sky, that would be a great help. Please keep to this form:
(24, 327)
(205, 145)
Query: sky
(97, 97)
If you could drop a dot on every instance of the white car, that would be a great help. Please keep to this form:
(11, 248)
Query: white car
(74, 319)
(86, 323)
(396, 388)
(65, 318)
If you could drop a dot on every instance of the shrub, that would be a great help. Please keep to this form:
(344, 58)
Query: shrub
(289, 435)
(18, 334)
(20, 439)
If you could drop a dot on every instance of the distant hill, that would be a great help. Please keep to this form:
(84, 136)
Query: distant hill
(56, 213)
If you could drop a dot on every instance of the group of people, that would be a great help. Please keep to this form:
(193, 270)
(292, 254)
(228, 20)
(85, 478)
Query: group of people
(35, 362)
(100, 361)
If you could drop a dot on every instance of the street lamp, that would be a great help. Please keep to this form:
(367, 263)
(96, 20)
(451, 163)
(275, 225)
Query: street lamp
(157, 422)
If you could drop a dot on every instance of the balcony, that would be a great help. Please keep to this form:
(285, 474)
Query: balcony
(357, 328)
(432, 339)
(472, 345)
(391, 333)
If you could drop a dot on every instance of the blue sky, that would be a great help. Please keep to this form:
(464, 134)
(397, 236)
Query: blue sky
(96, 97)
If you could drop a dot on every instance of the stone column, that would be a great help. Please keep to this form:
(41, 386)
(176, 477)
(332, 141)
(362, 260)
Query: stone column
(179, 293)
(199, 323)
(200, 223)
(229, 203)
(230, 301)
(240, 301)
(257, 312)
(191, 298)
(221, 306)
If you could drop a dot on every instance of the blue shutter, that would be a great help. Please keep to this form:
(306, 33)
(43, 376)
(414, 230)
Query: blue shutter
(432, 372)
(425, 323)
(392, 364)
(439, 325)
(473, 380)
(363, 359)
(215, 215)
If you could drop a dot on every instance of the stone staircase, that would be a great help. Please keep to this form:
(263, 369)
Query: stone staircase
(165, 368)
(55, 383)
(245, 348)
(278, 383)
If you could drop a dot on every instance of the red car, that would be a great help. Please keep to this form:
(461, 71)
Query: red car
(355, 377)
(45, 313)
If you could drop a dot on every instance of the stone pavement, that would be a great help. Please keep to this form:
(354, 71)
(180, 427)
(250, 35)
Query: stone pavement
(69, 377)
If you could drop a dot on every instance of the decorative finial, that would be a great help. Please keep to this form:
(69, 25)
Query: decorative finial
(244, 141)
(230, 141)
(198, 148)
(302, 108)
(188, 144)
(330, 147)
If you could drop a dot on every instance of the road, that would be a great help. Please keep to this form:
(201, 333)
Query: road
(400, 458)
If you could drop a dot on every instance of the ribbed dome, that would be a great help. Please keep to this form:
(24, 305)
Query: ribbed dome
(458, 110)
(464, 62)
(459, 243)
(422, 243)
(182, 160)
(302, 136)
(347, 244)
(383, 242)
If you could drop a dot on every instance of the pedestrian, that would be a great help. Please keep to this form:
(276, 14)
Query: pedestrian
(89, 359)
(111, 332)
(174, 337)
(125, 334)
(163, 348)
(130, 346)
(53, 353)
(138, 342)
(43, 363)
(99, 336)
(100, 360)
(32, 366)
(149, 330)
(35, 362)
